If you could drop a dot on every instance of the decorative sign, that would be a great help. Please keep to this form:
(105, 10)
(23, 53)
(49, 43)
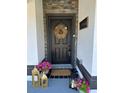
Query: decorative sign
(60, 31)
(84, 23)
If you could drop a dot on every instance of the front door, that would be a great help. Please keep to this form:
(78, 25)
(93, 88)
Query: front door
(60, 37)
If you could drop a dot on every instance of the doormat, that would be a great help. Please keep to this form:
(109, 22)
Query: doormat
(60, 73)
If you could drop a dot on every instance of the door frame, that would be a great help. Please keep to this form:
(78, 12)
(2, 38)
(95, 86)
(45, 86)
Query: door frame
(73, 40)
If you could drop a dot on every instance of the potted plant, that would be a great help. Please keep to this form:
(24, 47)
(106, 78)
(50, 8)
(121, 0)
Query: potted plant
(44, 66)
(84, 87)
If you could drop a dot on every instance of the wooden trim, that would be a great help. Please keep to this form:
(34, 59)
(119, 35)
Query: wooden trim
(29, 69)
(93, 82)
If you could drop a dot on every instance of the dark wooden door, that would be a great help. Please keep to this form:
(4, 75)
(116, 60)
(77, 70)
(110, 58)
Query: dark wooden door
(61, 40)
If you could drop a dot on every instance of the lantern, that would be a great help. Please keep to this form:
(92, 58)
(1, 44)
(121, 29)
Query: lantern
(35, 77)
(44, 80)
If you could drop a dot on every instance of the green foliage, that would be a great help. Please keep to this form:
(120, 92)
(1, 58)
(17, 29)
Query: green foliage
(84, 87)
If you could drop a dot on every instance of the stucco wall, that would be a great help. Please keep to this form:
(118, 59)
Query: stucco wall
(85, 36)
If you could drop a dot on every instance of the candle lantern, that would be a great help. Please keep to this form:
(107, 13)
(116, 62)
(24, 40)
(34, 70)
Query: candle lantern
(44, 80)
(35, 77)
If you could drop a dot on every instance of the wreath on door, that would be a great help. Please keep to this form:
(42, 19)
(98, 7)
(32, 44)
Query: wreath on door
(60, 31)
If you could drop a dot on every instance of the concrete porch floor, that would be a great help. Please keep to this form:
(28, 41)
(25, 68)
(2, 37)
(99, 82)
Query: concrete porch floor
(55, 86)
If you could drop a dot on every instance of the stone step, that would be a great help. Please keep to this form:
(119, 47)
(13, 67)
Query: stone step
(62, 66)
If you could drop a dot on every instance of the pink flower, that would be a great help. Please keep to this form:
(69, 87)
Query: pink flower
(80, 81)
(44, 65)
(88, 89)
(87, 83)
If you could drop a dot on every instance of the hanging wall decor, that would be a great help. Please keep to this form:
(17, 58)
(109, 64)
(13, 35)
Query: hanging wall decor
(84, 23)
(60, 31)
